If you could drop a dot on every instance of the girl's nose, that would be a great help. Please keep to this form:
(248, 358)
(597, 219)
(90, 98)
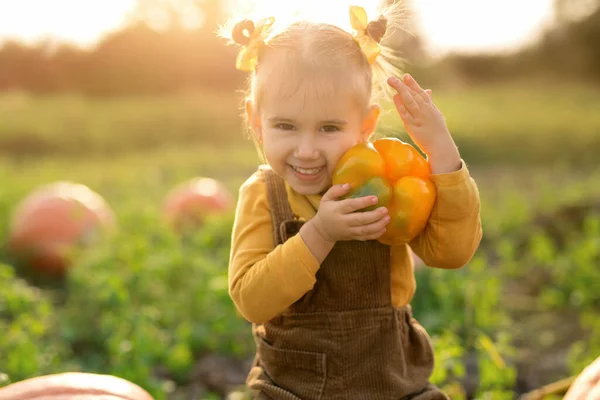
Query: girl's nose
(306, 149)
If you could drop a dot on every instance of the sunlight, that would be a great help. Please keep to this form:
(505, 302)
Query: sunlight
(75, 21)
(475, 25)
(465, 25)
(331, 11)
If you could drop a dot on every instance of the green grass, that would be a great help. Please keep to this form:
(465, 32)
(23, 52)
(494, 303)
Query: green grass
(147, 301)
(491, 125)
(73, 125)
(516, 124)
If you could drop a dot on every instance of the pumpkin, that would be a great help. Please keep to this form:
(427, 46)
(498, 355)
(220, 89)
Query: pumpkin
(188, 204)
(399, 176)
(74, 386)
(53, 222)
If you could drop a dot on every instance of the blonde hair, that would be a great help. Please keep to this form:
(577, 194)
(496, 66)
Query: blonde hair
(306, 50)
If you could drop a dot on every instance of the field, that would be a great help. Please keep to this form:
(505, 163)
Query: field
(153, 308)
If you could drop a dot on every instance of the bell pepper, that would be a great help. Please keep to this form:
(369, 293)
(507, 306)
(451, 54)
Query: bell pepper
(399, 176)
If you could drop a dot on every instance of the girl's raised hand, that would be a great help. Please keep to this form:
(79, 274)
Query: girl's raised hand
(422, 119)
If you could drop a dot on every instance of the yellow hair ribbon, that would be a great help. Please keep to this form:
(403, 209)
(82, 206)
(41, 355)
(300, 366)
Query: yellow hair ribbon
(359, 21)
(247, 58)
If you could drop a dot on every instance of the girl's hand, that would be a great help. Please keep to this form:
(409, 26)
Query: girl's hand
(338, 219)
(425, 124)
(587, 384)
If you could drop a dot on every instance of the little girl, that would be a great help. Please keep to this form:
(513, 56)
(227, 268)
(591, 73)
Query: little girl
(329, 303)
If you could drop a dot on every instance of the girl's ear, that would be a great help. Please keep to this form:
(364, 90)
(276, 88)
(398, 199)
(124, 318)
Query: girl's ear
(370, 122)
(253, 120)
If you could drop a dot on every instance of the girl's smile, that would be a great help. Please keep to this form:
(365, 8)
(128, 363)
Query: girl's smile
(308, 174)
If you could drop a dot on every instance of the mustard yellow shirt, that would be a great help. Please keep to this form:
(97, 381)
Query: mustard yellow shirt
(265, 280)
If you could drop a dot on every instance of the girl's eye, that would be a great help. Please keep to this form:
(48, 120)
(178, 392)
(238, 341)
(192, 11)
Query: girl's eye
(330, 128)
(285, 127)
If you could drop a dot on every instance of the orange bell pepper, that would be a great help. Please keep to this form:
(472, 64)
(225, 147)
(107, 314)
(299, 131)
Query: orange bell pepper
(399, 176)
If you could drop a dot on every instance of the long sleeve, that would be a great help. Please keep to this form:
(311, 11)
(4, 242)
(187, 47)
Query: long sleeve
(264, 280)
(453, 232)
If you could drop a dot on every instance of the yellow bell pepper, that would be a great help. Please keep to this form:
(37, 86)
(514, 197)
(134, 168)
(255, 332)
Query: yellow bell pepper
(399, 176)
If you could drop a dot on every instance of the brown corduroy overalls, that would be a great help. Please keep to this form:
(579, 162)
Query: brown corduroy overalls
(343, 339)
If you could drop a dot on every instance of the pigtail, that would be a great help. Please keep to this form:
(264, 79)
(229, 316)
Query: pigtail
(249, 37)
(377, 29)
(390, 61)
(242, 31)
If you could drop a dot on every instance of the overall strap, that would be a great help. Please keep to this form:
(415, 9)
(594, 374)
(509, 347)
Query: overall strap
(278, 202)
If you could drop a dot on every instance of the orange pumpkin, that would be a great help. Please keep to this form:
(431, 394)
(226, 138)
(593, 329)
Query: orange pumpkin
(55, 221)
(74, 386)
(189, 203)
(399, 176)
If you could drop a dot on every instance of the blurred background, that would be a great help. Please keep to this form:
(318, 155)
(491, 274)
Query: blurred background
(134, 99)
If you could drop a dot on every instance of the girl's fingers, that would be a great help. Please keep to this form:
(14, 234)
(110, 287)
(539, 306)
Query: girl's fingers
(367, 231)
(410, 101)
(428, 91)
(348, 206)
(418, 90)
(367, 217)
(400, 106)
(405, 93)
(594, 393)
(402, 110)
(336, 191)
(375, 236)
(587, 382)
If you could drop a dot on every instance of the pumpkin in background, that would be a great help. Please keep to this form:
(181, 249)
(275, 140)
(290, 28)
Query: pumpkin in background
(189, 203)
(53, 222)
(74, 386)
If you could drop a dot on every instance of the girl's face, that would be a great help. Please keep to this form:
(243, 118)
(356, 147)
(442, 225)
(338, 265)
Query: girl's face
(303, 136)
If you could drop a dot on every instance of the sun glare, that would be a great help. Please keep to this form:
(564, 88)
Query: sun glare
(331, 11)
(466, 25)
(475, 25)
(75, 21)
